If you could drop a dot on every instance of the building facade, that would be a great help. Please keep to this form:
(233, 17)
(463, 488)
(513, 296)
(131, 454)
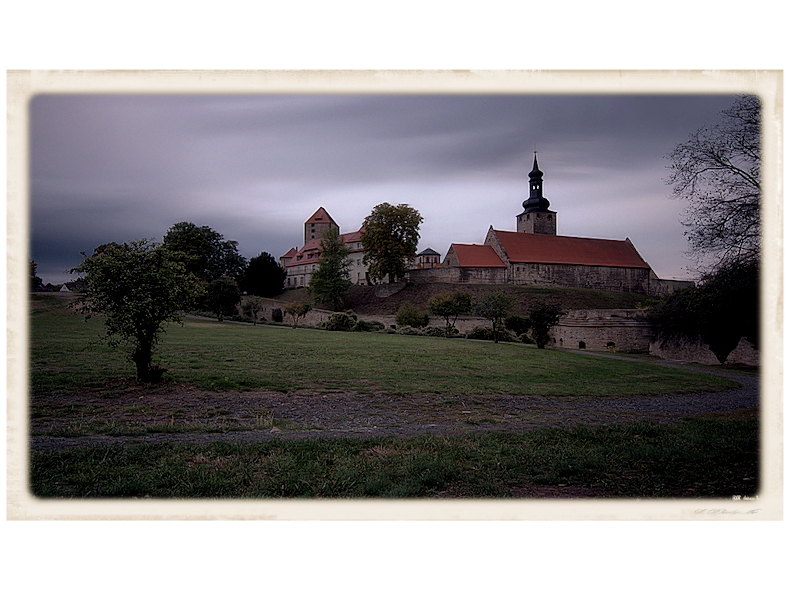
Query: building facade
(301, 263)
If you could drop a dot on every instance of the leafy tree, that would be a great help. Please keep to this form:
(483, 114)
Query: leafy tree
(495, 306)
(389, 236)
(206, 253)
(519, 324)
(138, 287)
(263, 276)
(410, 315)
(721, 311)
(222, 297)
(36, 283)
(330, 282)
(717, 170)
(543, 316)
(449, 305)
(297, 310)
(251, 307)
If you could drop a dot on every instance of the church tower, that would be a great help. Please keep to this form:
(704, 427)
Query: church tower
(536, 217)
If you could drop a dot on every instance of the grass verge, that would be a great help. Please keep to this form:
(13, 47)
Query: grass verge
(697, 458)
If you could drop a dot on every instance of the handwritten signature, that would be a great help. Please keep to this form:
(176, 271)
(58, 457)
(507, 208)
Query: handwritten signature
(725, 511)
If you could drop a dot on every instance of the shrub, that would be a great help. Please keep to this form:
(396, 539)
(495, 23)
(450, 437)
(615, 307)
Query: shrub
(277, 315)
(410, 315)
(527, 339)
(435, 331)
(409, 331)
(519, 324)
(486, 333)
(341, 321)
(364, 326)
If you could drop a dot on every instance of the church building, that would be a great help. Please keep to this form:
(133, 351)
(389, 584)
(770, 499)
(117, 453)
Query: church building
(535, 255)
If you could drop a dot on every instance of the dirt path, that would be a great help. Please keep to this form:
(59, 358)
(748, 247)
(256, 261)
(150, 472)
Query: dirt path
(177, 413)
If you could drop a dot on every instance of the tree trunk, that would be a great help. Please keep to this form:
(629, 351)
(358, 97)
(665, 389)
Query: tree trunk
(142, 360)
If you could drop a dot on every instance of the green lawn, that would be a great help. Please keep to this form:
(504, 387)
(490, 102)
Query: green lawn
(218, 357)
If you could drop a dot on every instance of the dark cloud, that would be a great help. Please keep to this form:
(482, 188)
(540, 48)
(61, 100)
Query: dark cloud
(254, 167)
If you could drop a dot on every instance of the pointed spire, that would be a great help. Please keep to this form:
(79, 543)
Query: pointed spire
(536, 174)
(536, 201)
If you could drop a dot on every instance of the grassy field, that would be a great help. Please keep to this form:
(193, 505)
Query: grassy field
(697, 458)
(77, 390)
(225, 356)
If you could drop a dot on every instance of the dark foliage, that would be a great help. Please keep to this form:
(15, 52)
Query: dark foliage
(222, 297)
(205, 252)
(543, 317)
(721, 311)
(263, 276)
(410, 315)
(518, 324)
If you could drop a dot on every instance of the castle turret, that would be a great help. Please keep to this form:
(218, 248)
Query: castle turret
(536, 217)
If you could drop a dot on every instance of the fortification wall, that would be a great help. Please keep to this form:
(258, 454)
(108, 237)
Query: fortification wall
(664, 287)
(456, 274)
(603, 329)
(629, 280)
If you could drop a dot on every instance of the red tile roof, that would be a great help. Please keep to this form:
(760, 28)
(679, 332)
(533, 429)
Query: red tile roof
(477, 256)
(548, 249)
(321, 216)
(290, 254)
(314, 247)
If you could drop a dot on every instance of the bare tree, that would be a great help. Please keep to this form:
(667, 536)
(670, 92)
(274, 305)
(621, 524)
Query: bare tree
(717, 170)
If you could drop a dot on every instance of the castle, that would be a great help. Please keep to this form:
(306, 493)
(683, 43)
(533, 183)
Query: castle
(532, 255)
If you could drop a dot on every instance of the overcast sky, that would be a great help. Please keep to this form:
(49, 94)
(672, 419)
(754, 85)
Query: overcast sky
(255, 167)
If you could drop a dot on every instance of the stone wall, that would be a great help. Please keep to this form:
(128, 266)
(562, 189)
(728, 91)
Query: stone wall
(664, 287)
(605, 278)
(696, 351)
(603, 329)
(456, 274)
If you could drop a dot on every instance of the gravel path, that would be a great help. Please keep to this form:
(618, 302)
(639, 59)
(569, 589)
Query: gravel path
(305, 415)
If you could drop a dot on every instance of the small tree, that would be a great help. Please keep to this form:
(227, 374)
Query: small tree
(495, 306)
(410, 315)
(297, 310)
(330, 282)
(251, 307)
(222, 297)
(138, 287)
(263, 276)
(389, 236)
(543, 317)
(449, 305)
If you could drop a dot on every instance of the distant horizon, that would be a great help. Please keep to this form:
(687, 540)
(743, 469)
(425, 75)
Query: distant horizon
(253, 167)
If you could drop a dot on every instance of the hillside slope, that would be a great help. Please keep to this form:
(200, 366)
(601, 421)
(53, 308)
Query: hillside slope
(363, 299)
